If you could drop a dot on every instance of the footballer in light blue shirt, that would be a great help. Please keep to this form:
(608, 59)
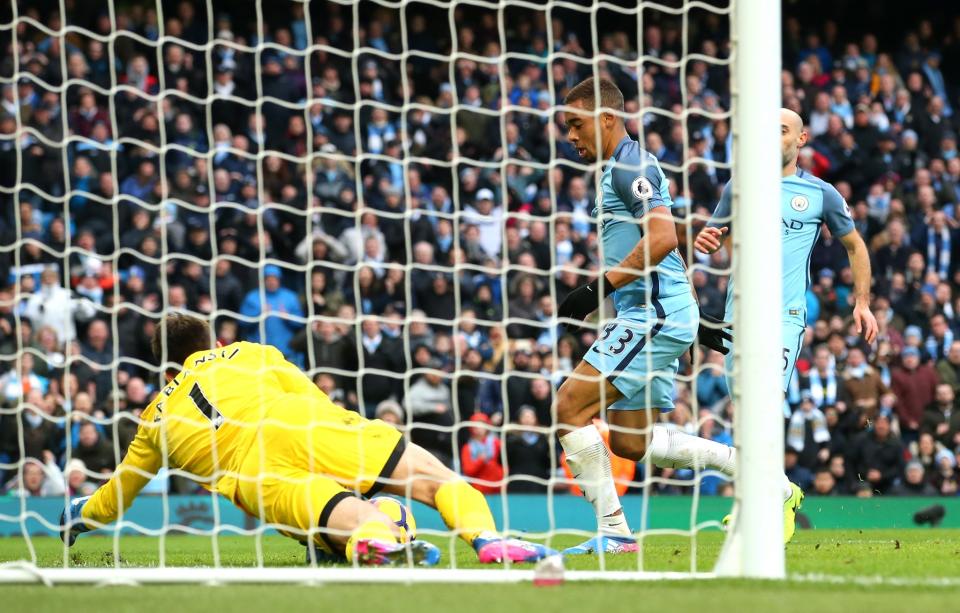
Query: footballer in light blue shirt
(630, 368)
(806, 204)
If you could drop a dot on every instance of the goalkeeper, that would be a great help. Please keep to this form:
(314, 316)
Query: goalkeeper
(252, 427)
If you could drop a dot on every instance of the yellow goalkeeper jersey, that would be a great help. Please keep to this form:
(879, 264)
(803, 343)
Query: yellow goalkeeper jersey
(203, 422)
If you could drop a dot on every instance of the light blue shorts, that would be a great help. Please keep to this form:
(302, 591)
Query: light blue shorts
(639, 353)
(792, 331)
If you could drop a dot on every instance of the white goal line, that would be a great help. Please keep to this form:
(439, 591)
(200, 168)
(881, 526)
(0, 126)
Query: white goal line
(22, 573)
(29, 573)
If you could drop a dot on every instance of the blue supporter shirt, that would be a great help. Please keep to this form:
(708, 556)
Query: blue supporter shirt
(632, 184)
(806, 203)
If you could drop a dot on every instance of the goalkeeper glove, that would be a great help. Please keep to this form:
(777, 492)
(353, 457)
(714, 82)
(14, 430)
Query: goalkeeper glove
(712, 337)
(582, 301)
(71, 521)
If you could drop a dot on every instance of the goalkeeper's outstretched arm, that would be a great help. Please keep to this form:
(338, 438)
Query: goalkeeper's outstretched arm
(141, 464)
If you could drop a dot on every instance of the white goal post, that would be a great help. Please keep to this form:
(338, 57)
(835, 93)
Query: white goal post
(753, 546)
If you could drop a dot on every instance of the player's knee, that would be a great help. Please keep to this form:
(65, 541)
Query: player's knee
(628, 446)
(425, 490)
(422, 473)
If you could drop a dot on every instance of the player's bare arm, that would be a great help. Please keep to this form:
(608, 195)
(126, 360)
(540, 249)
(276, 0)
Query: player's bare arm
(661, 239)
(860, 263)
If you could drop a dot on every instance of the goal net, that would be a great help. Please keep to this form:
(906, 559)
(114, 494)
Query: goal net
(385, 192)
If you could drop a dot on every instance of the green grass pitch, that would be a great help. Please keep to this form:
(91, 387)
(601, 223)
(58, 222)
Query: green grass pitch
(900, 571)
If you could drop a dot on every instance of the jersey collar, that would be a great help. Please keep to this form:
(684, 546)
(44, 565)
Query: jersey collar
(623, 143)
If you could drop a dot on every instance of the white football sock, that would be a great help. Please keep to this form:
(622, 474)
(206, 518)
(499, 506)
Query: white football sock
(590, 463)
(674, 449)
(787, 488)
(670, 448)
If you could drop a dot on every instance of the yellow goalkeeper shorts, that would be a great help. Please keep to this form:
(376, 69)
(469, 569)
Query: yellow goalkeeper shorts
(311, 454)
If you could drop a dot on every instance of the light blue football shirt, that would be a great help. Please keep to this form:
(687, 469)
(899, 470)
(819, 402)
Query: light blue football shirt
(632, 184)
(806, 203)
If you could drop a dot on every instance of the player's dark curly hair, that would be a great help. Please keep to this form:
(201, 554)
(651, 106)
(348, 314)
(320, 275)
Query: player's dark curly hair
(610, 95)
(182, 335)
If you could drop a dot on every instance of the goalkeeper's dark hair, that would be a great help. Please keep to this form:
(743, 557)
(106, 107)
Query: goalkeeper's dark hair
(610, 95)
(182, 335)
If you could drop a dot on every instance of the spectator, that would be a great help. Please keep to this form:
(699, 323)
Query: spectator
(76, 479)
(843, 478)
(279, 314)
(98, 351)
(824, 483)
(822, 380)
(379, 353)
(55, 306)
(914, 384)
(438, 301)
(487, 217)
(941, 418)
(946, 478)
(712, 382)
(329, 348)
(39, 480)
(429, 404)
(36, 428)
(94, 450)
(391, 412)
(940, 339)
(528, 454)
(523, 306)
(355, 238)
(927, 451)
(139, 187)
(808, 435)
(948, 368)
(480, 456)
(13, 383)
(862, 385)
(796, 472)
(877, 456)
(914, 483)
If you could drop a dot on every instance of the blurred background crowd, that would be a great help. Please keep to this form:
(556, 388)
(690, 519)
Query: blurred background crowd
(404, 237)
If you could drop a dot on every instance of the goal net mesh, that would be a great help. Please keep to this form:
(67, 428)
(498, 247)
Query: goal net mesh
(382, 190)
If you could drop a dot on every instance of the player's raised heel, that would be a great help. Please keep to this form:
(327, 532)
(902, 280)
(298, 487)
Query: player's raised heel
(606, 544)
(496, 550)
(372, 552)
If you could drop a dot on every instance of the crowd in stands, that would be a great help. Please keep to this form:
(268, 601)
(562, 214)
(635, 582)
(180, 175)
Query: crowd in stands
(410, 262)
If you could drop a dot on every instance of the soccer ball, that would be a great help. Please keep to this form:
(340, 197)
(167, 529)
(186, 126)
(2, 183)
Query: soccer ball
(400, 514)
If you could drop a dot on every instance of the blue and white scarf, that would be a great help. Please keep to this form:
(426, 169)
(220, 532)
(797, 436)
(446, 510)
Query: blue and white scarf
(823, 394)
(939, 349)
(796, 436)
(943, 258)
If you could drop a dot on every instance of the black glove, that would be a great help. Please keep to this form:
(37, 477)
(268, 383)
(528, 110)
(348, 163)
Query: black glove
(582, 301)
(713, 336)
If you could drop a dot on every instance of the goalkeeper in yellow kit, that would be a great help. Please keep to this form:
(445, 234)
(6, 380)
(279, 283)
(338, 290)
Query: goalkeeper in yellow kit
(249, 425)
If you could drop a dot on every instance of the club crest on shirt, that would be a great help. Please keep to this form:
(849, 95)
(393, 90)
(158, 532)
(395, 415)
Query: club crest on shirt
(642, 188)
(799, 203)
